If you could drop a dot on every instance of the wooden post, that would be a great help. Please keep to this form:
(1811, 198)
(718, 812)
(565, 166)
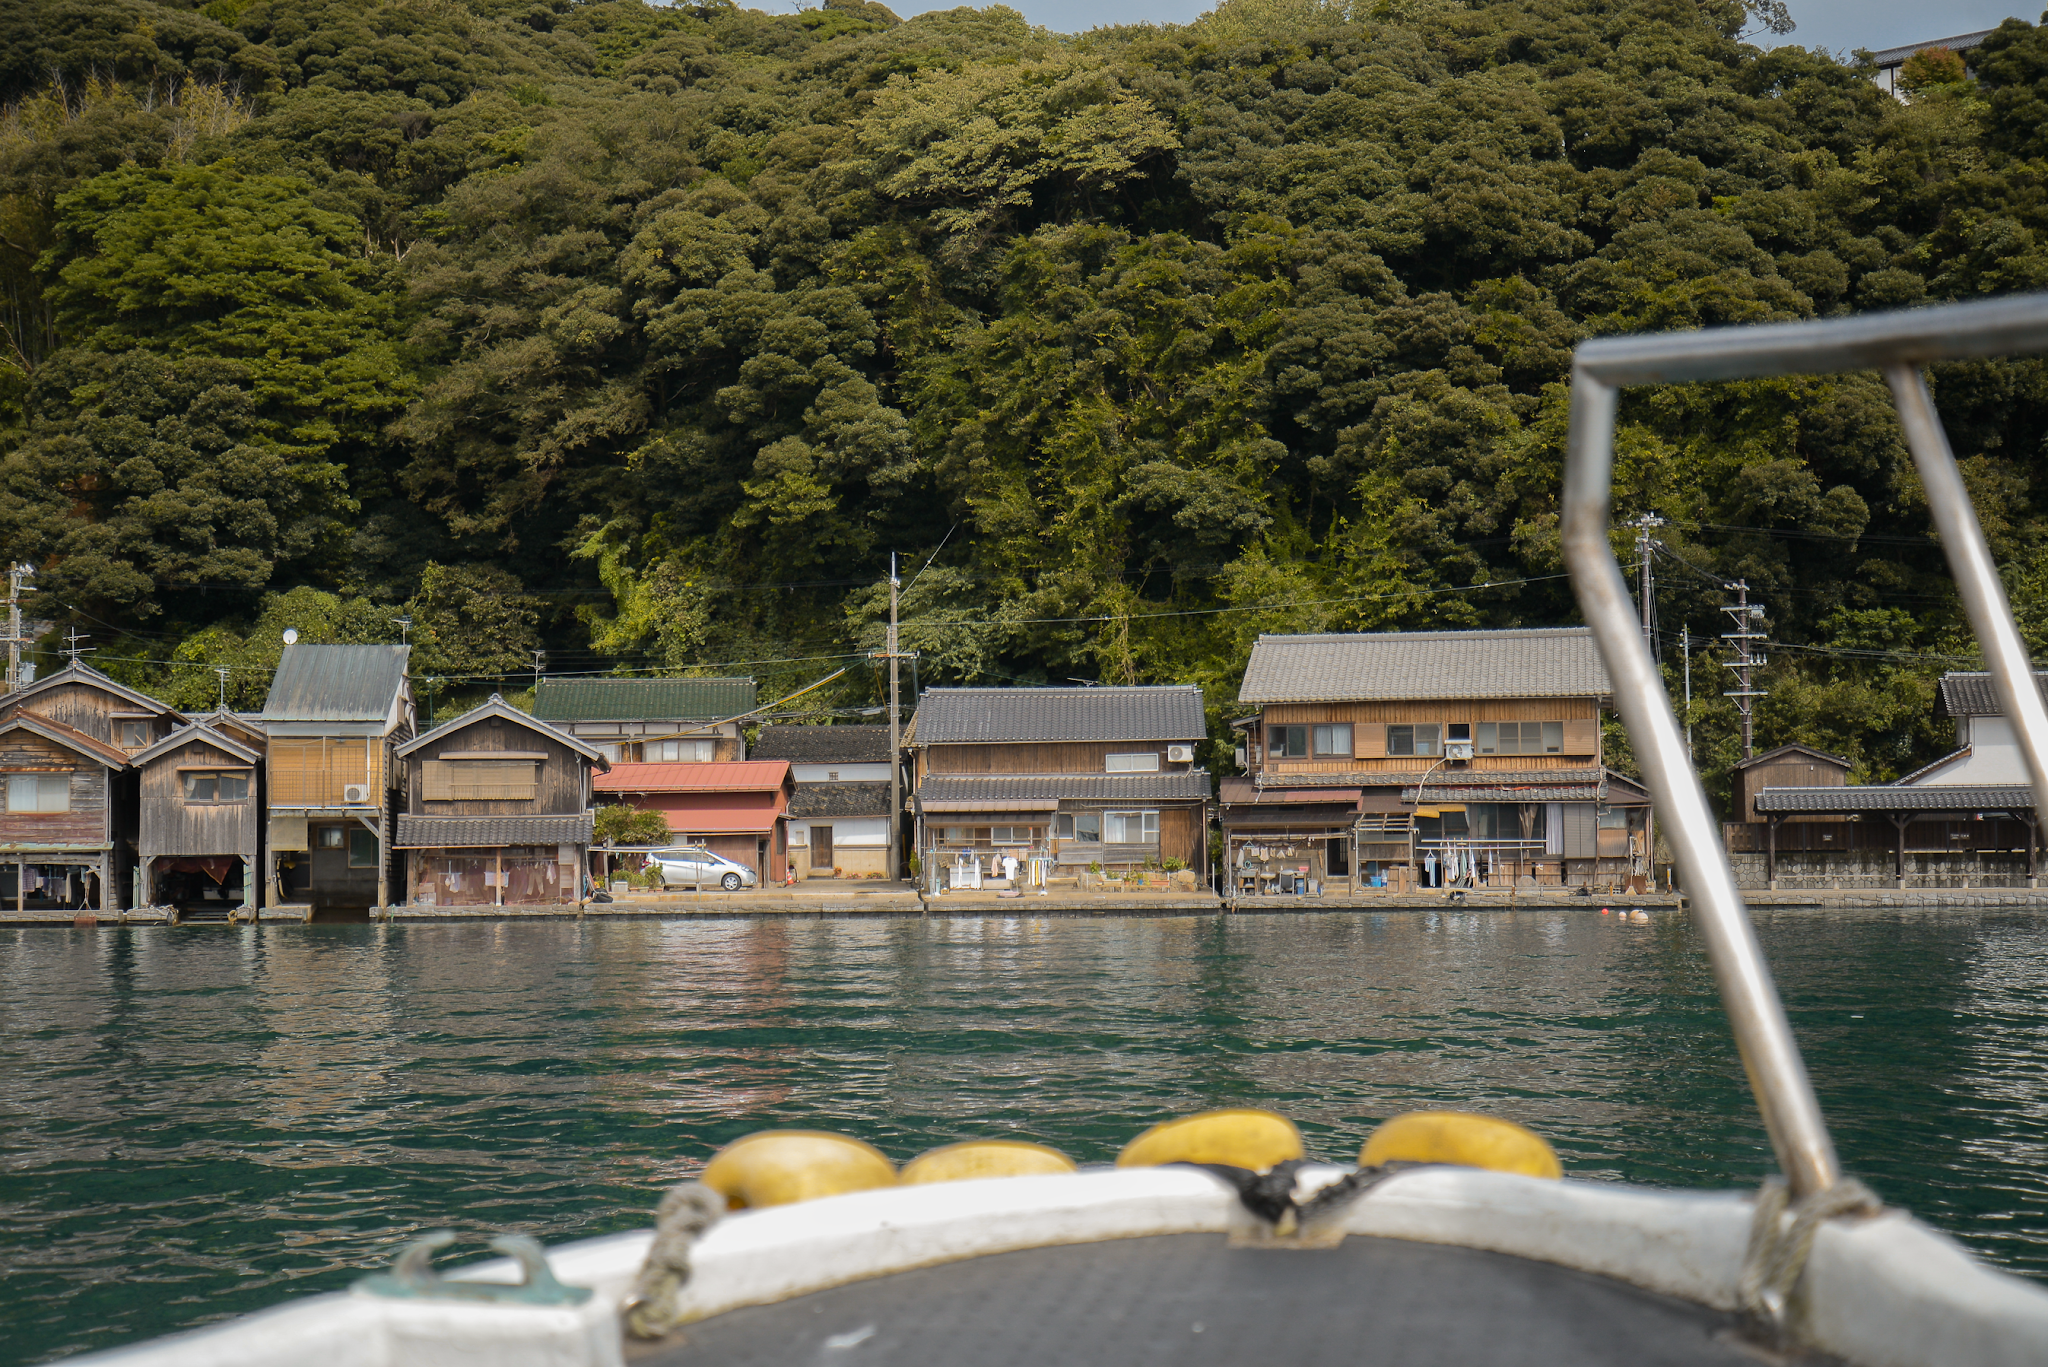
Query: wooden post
(1899, 824)
(21, 886)
(498, 862)
(1771, 852)
(383, 863)
(2033, 820)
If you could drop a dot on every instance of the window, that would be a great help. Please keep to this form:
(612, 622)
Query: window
(1520, 738)
(1130, 828)
(1417, 739)
(1010, 835)
(362, 848)
(680, 751)
(1086, 826)
(39, 792)
(831, 775)
(1133, 764)
(216, 787)
(1333, 740)
(1613, 818)
(1286, 742)
(331, 837)
(479, 780)
(134, 735)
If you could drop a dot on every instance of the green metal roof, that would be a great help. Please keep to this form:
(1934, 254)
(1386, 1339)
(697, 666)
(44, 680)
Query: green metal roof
(642, 699)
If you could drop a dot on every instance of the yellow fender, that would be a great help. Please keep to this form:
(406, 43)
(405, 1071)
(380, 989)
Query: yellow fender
(974, 1158)
(777, 1167)
(1243, 1138)
(1472, 1141)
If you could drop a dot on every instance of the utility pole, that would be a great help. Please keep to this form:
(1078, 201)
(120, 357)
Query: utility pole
(895, 737)
(1745, 615)
(1648, 591)
(72, 650)
(1685, 649)
(540, 658)
(18, 576)
(223, 672)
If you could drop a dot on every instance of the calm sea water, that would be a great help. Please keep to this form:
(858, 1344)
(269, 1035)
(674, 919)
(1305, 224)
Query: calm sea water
(199, 1122)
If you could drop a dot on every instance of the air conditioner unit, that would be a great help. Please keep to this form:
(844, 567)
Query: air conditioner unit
(356, 794)
(1458, 749)
(1180, 754)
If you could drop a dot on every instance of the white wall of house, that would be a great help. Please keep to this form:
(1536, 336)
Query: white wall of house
(841, 773)
(1994, 756)
(848, 832)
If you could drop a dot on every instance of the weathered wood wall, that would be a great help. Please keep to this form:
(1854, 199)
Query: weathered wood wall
(558, 792)
(1076, 757)
(173, 826)
(312, 771)
(1790, 771)
(93, 711)
(1181, 836)
(85, 824)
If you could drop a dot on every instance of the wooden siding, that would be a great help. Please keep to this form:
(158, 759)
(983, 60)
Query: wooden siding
(1790, 771)
(1181, 835)
(173, 826)
(1076, 757)
(1413, 764)
(87, 821)
(1502, 709)
(91, 710)
(558, 792)
(1581, 739)
(312, 771)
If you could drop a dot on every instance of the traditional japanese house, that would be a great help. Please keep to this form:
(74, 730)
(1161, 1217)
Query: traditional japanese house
(650, 721)
(1788, 766)
(737, 808)
(1075, 778)
(334, 716)
(200, 834)
(63, 834)
(84, 700)
(839, 816)
(1405, 759)
(497, 810)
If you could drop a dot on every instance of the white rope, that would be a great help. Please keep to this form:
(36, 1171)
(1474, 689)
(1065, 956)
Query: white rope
(686, 1211)
(1778, 1249)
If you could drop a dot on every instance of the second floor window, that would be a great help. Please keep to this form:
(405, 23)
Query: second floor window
(216, 787)
(38, 793)
(1417, 739)
(1133, 764)
(680, 751)
(1519, 738)
(1287, 742)
(1334, 740)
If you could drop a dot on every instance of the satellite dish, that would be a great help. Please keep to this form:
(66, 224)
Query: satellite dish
(291, 636)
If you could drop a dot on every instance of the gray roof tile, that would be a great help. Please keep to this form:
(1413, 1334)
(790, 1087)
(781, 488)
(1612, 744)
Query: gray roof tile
(1891, 797)
(1189, 784)
(336, 683)
(1483, 778)
(840, 799)
(955, 716)
(1546, 662)
(823, 744)
(473, 832)
(1974, 695)
(643, 699)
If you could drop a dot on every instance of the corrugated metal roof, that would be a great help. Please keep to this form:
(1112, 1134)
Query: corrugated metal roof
(1886, 58)
(68, 736)
(1193, 783)
(1546, 662)
(1974, 695)
(729, 776)
(1888, 797)
(840, 799)
(823, 744)
(336, 683)
(471, 832)
(690, 699)
(707, 815)
(1150, 712)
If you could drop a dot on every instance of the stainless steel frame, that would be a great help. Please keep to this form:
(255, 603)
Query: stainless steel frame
(1897, 344)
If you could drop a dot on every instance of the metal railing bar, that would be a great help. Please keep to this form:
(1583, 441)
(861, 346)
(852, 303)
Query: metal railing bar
(1871, 342)
(1763, 1035)
(1969, 559)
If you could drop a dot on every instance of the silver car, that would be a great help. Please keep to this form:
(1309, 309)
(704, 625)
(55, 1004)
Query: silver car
(690, 866)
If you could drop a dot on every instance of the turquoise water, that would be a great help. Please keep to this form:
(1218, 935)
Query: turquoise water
(203, 1121)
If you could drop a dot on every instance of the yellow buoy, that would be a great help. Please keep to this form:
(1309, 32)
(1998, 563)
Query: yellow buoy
(1243, 1138)
(776, 1167)
(974, 1158)
(1472, 1141)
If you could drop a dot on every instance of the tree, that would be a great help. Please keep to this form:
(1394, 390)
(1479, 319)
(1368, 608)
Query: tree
(624, 824)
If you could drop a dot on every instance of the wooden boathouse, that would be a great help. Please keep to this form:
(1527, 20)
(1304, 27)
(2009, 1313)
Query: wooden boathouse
(200, 828)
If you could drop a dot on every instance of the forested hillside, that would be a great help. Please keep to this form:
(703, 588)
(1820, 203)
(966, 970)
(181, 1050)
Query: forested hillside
(642, 336)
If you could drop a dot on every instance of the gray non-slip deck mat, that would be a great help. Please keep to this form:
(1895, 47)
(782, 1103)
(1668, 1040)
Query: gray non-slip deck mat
(1191, 1300)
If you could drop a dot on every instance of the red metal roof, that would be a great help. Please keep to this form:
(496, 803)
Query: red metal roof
(731, 776)
(719, 818)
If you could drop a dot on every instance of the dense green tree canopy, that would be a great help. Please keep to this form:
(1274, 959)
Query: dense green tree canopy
(644, 335)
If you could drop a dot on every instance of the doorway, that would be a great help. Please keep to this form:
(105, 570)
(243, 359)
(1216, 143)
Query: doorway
(821, 849)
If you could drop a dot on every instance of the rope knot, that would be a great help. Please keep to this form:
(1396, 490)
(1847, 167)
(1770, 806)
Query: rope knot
(1781, 1235)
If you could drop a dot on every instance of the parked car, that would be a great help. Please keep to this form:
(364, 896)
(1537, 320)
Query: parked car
(688, 866)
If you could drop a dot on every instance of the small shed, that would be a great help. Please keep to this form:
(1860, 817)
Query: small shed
(1788, 766)
(200, 833)
(738, 809)
(497, 810)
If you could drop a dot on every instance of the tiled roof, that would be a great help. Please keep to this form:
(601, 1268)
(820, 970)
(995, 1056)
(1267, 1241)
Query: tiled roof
(1360, 778)
(840, 799)
(728, 776)
(1973, 695)
(1548, 662)
(336, 683)
(954, 716)
(1552, 792)
(823, 744)
(1889, 797)
(1193, 783)
(471, 832)
(643, 699)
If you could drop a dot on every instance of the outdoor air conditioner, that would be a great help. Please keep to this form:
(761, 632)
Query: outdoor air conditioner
(356, 794)
(1180, 754)
(1458, 749)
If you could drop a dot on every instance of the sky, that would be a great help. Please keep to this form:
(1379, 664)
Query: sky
(1840, 26)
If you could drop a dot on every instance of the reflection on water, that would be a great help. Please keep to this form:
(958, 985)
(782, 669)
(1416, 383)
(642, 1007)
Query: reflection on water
(200, 1121)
